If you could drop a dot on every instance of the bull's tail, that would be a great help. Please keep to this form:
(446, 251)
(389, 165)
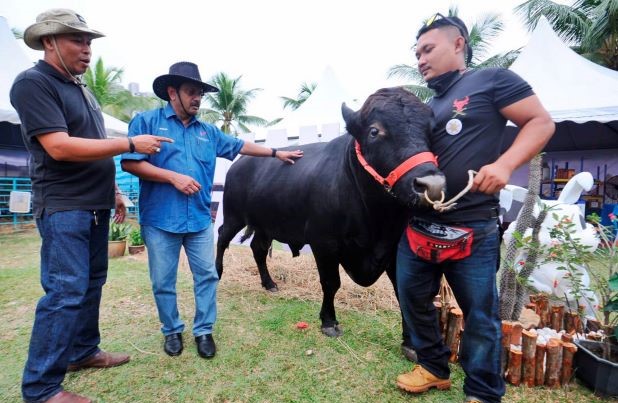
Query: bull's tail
(248, 232)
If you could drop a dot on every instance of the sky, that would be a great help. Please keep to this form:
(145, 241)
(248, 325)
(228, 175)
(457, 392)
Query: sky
(274, 45)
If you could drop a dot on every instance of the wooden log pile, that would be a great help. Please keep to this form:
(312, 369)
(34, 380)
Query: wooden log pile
(543, 356)
(530, 357)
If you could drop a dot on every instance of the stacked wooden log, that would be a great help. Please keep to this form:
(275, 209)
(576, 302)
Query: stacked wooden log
(537, 357)
(532, 357)
(542, 356)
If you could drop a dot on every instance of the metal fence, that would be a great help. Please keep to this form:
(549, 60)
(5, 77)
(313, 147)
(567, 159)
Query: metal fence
(128, 185)
(8, 185)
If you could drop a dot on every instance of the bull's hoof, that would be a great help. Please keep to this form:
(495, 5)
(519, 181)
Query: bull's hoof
(409, 353)
(333, 331)
(272, 289)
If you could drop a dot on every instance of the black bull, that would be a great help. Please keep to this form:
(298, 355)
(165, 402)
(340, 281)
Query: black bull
(327, 199)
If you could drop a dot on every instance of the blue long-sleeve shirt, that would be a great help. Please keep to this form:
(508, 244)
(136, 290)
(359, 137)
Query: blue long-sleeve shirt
(192, 153)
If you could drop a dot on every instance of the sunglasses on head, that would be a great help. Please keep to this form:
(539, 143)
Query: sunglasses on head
(437, 17)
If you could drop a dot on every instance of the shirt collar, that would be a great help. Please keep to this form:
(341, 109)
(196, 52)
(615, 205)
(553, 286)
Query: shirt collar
(170, 112)
(49, 69)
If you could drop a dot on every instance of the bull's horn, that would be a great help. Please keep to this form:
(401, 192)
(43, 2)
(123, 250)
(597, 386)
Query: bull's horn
(348, 113)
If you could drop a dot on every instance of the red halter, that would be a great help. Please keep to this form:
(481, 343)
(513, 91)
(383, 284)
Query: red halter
(398, 172)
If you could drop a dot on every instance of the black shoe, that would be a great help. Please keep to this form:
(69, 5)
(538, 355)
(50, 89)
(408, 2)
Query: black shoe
(206, 346)
(173, 344)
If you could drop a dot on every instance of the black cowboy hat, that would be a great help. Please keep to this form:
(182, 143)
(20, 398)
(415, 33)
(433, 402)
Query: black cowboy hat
(181, 72)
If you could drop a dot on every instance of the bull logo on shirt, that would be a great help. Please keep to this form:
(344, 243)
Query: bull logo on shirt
(459, 106)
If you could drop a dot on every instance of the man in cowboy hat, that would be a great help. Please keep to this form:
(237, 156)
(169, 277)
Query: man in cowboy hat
(182, 176)
(73, 192)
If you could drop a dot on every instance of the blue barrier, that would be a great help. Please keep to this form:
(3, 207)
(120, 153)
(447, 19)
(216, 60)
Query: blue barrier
(128, 184)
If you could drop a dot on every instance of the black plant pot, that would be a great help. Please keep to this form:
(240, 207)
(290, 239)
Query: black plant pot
(598, 374)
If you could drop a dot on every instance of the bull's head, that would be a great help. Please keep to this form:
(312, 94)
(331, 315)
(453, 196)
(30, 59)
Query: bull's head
(392, 126)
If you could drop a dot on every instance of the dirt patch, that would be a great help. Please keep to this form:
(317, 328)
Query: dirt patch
(296, 277)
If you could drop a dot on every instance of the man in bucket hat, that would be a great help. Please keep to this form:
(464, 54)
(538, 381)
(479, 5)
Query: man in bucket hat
(182, 176)
(73, 192)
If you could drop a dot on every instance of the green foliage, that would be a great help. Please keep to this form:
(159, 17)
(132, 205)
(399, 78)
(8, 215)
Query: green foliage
(104, 83)
(135, 237)
(119, 231)
(482, 32)
(304, 93)
(590, 25)
(228, 107)
(601, 264)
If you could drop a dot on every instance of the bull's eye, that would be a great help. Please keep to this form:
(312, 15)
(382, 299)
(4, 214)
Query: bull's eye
(373, 132)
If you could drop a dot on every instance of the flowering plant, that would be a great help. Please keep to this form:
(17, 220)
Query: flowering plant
(600, 263)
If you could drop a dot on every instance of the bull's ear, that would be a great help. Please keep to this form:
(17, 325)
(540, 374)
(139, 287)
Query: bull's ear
(351, 119)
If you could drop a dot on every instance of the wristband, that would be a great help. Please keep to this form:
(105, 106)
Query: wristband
(274, 154)
(131, 145)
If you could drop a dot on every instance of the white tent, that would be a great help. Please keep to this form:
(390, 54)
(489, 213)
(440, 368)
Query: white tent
(13, 61)
(581, 96)
(569, 86)
(322, 107)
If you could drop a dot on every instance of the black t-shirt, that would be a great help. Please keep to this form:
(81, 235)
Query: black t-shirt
(468, 134)
(48, 102)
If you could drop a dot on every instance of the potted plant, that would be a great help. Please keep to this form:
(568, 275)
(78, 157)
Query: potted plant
(136, 243)
(596, 362)
(118, 233)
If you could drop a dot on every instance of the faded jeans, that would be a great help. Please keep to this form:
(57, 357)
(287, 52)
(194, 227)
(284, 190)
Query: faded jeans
(163, 255)
(473, 281)
(66, 322)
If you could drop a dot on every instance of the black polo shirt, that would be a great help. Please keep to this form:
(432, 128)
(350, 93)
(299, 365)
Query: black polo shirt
(47, 102)
(469, 131)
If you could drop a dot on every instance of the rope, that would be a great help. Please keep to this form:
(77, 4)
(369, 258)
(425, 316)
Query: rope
(441, 205)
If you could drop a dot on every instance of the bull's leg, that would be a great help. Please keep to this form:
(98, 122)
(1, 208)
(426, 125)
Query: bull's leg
(260, 245)
(227, 231)
(328, 268)
(406, 344)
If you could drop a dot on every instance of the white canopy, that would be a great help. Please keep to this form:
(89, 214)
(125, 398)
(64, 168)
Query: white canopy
(13, 61)
(569, 86)
(322, 107)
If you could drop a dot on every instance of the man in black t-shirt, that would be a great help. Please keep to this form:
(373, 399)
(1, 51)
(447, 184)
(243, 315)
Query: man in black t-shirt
(471, 108)
(72, 176)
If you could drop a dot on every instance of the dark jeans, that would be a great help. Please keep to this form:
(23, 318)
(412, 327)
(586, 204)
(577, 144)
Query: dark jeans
(473, 281)
(66, 323)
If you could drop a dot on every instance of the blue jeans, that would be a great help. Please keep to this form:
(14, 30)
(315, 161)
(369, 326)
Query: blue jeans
(473, 281)
(66, 322)
(163, 253)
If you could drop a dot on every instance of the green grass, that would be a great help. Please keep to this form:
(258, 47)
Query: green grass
(262, 356)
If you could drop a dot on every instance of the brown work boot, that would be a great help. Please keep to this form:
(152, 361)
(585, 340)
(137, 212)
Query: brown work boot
(420, 380)
(67, 397)
(102, 359)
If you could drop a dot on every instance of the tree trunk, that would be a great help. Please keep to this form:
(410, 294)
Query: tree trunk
(528, 349)
(539, 370)
(568, 350)
(554, 361)
(514, 374)
(453, 332)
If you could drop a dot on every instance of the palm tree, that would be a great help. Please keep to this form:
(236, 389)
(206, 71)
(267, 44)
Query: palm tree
(104, 83)
(18, 34)
(591, 25)
(303, 94)
(228, 107)
(481, 34)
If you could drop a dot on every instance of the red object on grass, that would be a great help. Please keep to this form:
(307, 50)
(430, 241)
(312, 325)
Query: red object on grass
(302, 325)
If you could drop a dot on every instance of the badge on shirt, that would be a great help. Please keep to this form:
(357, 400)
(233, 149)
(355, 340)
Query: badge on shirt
(453, 126)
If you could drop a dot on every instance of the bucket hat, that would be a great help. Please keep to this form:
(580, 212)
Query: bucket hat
(181, 72)
(55, 22)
